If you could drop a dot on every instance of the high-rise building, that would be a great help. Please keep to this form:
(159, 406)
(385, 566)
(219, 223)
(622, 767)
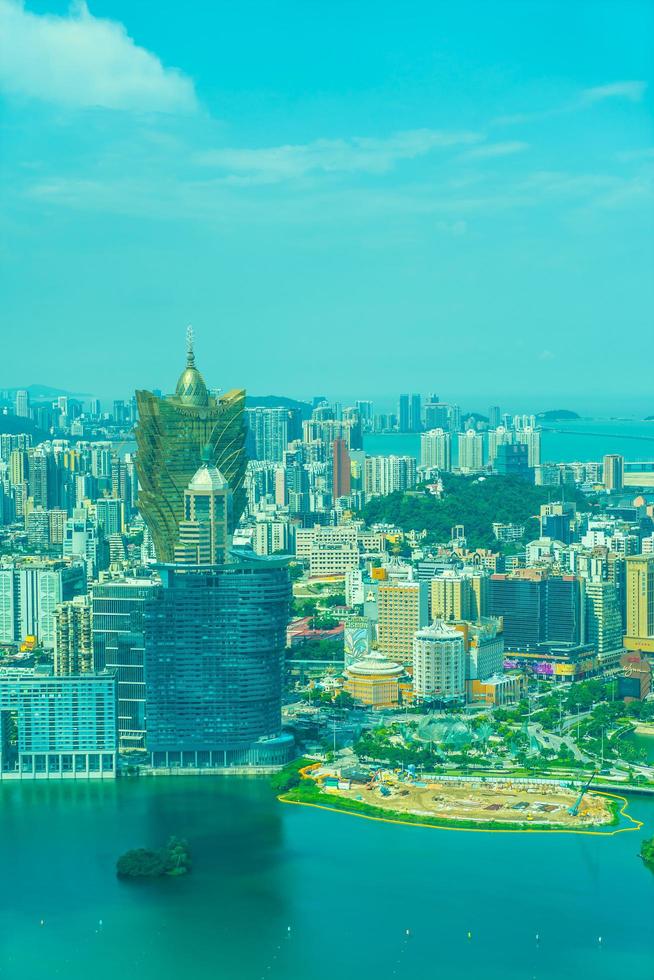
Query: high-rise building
(439, 662)
(603, 618)
(494, 416)
(340, 470)
(386, 474)
(436, 450)
(81, 540)
(403, 608)
(65, 727)
(538, 609)
(403, 414)
(30, 591)
(268, 432)
(205, 533)
(170, 435)
(119, 646)
(73, 648)
(451, 597)
(471, 451)
(436, 415)
(530, 437)
(613, 472)
(640, 603)
(215, 642)
(23, 404)
(512, 460)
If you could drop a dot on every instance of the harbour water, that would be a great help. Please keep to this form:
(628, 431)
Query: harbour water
(286, 891)
(581, 441)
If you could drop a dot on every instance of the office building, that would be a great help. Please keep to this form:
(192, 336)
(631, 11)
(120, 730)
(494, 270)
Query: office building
(81, 540)
(119, 646)
(341, 471)
(402, 609)
(57, 727)
(538, 609)
(640, 603)
(439, 662)
(436, 450)
(215, 642)
(171, 434)
(613, 472)
(603, 618)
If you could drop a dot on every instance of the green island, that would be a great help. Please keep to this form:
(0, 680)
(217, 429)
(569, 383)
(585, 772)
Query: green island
(173, 860)
(647, 852)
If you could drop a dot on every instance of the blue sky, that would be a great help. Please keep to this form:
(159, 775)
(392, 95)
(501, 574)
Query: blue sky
(356, 199)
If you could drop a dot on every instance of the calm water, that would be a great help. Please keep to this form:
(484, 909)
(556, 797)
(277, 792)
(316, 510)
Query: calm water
(644, 741)
(581, 441)
(348, 888)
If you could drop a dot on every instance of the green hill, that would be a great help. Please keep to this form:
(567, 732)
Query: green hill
(469, 501)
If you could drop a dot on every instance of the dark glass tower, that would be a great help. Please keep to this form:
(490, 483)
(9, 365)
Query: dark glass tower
(214, 647)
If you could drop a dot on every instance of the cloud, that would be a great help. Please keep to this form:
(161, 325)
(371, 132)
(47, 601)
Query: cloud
(80, 60)
(359, 154)
(546, 355)
(496, 150)
(632, 91)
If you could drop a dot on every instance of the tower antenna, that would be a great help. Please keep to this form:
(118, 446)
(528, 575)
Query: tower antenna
(190, 356)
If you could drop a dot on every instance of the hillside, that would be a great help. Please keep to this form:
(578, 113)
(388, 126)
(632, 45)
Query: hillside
(278, 401)
(557, 415)
(469, 501)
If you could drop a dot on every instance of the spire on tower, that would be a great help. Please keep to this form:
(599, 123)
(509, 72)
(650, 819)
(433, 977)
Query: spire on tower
(190, 356)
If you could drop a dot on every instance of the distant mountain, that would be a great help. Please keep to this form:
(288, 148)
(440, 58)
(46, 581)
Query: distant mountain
(557, 415)
(45, 392)
(278, 401)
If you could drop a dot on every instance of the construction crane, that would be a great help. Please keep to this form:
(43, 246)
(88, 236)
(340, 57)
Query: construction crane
(574, 810)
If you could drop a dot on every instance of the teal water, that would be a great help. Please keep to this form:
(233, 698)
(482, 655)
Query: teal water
(582, 441)
(348, 888)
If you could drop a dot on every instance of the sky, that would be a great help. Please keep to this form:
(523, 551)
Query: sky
(355, 199)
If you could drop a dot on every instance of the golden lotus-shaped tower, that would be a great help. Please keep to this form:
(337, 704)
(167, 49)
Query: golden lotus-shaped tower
(172, 436)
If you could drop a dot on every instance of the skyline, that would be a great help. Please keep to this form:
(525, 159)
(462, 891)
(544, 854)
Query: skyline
(440, 209)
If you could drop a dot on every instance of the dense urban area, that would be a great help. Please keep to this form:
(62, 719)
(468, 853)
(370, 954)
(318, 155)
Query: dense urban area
(202, 582)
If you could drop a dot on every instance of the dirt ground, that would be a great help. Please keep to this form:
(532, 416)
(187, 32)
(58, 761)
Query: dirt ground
(499, 802)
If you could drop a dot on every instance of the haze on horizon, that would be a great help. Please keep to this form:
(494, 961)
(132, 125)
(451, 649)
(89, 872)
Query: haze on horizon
(341, 202)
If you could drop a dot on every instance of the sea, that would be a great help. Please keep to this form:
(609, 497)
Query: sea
(578, 441)
(280, 891)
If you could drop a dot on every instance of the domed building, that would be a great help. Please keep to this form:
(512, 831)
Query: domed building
(171, 434)
(374, 680)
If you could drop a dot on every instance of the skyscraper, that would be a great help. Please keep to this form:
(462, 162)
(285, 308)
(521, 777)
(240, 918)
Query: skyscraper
(471, 451)
(613, 472)
(170, 435)
(23, 404)
(214, 641)
(436, 450)
(205, 533)
(118, 646)
(340, 469)
(640, 603)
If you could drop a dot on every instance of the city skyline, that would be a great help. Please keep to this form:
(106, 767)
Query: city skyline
(484, 195)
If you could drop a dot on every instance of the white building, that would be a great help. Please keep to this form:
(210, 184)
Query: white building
(436, 450)
(439, 662)
(471, 451)
(387, 474)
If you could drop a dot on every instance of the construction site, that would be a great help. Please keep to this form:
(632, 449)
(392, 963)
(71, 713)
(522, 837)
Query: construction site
(523, 801)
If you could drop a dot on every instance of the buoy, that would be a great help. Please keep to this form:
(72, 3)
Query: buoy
(100, 922)
(599, 939)
(469, 935)
(42, 922)
(537, 938)
(408, 932)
